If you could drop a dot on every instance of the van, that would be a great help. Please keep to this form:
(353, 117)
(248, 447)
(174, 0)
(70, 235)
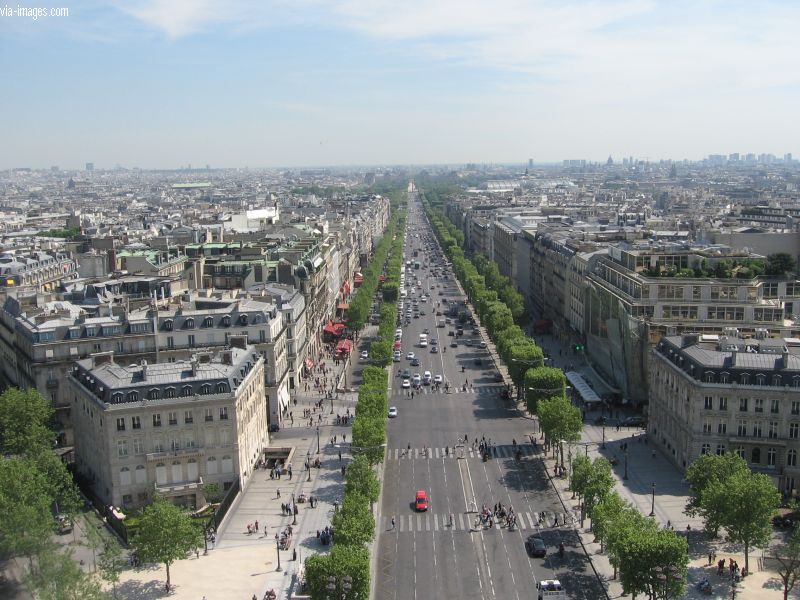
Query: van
(440, 323)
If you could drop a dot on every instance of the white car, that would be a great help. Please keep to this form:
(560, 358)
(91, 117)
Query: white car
(423, 343)
(416, 380)
(438, 379)
(410, 356)
(396, 357)
(426, 377)
(364, 355)
(406, 384)
(483, 344)
(392, 412)
(398, 331)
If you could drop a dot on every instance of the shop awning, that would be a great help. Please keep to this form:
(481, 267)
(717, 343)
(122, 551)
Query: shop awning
(358, 280)
(588, 395)
(344, 346)
(309, 363)
(334, 328)
(345, 289)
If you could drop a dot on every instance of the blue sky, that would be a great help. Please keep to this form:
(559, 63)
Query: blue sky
(166, 83)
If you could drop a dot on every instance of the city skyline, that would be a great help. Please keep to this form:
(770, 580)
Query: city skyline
(166, 84)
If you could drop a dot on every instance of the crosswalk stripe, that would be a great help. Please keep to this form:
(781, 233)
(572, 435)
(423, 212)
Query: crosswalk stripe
(427, 523)
(436, 452)
(436, 522)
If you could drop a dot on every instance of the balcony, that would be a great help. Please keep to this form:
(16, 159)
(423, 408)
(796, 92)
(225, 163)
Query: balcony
(180, 487)
(194, 452)
(52, 383)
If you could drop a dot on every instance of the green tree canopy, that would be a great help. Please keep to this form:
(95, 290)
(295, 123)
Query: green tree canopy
(342, 562)
(24, 422)
(787, 557)
(704, 471)
(779, 264)
(542, 383)
(165, 534)
(560, 420)
(354, 522)
(362, 479)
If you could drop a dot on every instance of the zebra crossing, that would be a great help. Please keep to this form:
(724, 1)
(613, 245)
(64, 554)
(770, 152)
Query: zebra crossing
(503, 451)
(428, 521)
(480, 390)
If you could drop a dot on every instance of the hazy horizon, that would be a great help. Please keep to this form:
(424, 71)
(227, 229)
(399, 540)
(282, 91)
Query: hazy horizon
(161, 84)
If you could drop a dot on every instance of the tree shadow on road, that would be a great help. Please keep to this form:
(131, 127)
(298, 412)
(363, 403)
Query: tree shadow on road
(143, 590)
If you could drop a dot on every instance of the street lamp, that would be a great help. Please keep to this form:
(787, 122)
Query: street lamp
(603, 444)
(625, 477)
(653, 502)
(308, 464)
(294, 510)
(278, 548)
(317, 439)
(345, 582)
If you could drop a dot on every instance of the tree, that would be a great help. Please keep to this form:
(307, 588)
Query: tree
(592, 480)
(542, 383)
(748, 502)
(111, 565)
(58, 577)
(559, 421)
(606, 513)
(361, 479)
(779, 264)
(24, 419)
(704, 471)
(342, 562)
(641, 550)
(354, 522)
(212, 492)
(165, 534)
(788, 558)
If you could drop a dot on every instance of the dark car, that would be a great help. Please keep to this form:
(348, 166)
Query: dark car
(454, 344)
(632, 422)
(535, 547)
(478, 361)
(274, 427)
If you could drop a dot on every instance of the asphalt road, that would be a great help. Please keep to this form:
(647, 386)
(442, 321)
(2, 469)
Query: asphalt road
(424, 555)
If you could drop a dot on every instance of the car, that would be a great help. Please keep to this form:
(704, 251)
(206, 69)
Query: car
(274, 427)
(421, 501)
(468, 342)
(434, 349)
(423, 343)
(438, 313)
(397, 356)
(398, 331)
(434, 342)
(451, 333)
(392, 412)
(437, 379)
(536, 547)
(425, 331)
(364, 355)
(398, 345)
(634, 421)
(482, 345)
(410, 356)
(427, 377)
(415, 362)
(64, 524)
(416, 380)
(454, 344)
(422, 312)
(406, 384)
(406, 373)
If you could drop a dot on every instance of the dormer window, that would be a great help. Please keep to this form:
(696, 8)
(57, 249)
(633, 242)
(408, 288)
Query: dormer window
(222, 388)
(744, 378)
(724, 377)
(133, 396)
(186, 391)
(116, 398)
(243, 319)
(208, 322)
(168, 325)
(205, 389)
(226, 321)
(154, 394)
(190, 323)
(761, 379)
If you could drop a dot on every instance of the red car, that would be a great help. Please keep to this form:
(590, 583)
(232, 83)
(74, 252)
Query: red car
(398, 345)
(421, 503)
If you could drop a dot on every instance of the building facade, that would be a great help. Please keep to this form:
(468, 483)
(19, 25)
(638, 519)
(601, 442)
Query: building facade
(168, 427)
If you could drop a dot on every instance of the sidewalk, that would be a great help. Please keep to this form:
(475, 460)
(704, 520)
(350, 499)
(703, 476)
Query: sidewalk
(241, 564)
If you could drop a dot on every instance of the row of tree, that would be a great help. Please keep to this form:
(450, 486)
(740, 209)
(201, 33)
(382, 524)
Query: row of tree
(344, 571)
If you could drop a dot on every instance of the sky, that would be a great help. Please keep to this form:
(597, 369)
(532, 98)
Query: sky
(281, 83)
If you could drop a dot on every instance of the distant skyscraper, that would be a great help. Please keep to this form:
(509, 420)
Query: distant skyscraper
(787, 157)
(530, 163)
(733, 157)
(90, 166)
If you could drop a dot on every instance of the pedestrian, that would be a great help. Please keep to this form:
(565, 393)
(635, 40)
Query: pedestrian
(256, 524)
(279, 493)
(710, 557)
(393, 522)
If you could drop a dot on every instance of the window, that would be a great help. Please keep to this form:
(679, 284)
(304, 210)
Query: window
(755, 456)
(791, 458)
(794, 430)
(720, 449)
(158, 445)
(205, 389)
(722, 427)
(708, 403)
(709, 377)
(774, 407)
(225, 437)
(188, 439)
(705, 449)
(744, 378)
(187, 417)
(773, 429)
(740, 452)
(133, 396)
(121, 424)
(209, 414)
(122, 448)
(772, 454)
(223, 413)
(723, 377)
(186, 391)
(154, 394)
(190, 323)
(127, 498)
(226, 321)
(761, 379)
(707, 426)
(758, 405)
(757, 430)
(173, 418)
(723, 403)
(170, 342)
(795, 407)
(168, 325)
(743, 404)
(208, 322)
(191, 340)
(175, 444)
(136, 422)
(222, 388)
(777, 380)
(138, 446)
(741, 429)
(157, 420)
(117, 399)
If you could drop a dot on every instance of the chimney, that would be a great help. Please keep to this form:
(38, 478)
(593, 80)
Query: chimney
(734, 352)
(194, 364)
(785, 358)
(144, 369)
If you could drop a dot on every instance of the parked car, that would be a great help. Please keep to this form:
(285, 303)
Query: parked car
(536, 547)
(634, 421)
(392, 412)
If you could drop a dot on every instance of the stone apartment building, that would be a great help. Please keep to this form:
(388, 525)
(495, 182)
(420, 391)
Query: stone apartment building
(724, 393)
(39, 270)
(168, 427)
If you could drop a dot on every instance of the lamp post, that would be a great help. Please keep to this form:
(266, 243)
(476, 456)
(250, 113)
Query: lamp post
(346, 583)
(294, 510)
(653, 502)
(308, 464)
(278, 548)
(625, 477)
(317, 439)
(603, 444)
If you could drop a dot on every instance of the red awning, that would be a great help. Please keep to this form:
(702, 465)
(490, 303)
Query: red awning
(334, 328)
(344, 346)
(345, 289)
(309, 363)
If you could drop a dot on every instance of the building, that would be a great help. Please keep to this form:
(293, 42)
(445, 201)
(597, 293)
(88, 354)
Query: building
(725, 393)
(36, 269)
(169, 428)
